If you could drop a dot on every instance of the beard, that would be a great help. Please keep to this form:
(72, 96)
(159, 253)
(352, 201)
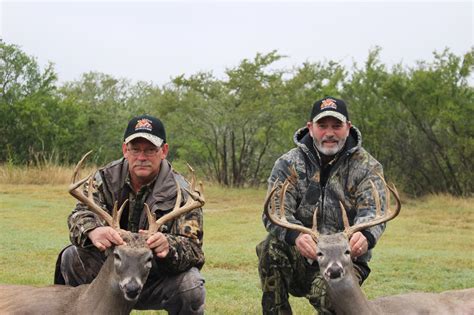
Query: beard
(329, 150)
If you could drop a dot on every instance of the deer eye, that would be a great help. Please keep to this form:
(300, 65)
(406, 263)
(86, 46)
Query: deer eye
(347, 252)
(319, 254)
(117, 257)
(148, 262)
(117, 260)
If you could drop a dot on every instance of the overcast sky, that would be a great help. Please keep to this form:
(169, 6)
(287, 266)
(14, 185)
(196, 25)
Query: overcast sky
(156, 40)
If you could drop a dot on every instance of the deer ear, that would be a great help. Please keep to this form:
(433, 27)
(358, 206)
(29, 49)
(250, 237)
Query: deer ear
(109, 251)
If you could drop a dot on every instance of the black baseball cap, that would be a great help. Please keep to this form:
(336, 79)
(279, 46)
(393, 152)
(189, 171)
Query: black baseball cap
(147, 127)
(329, 106)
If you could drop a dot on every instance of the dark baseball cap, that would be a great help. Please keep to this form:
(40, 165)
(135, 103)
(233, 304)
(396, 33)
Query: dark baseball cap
(147, 127)
(329, 106)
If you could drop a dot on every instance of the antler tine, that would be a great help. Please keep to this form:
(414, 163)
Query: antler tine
(152, 225)
(193, 177)
(270, 198)
(197, 194)
(282, 200)
(87, 200)
(75, 184)
(281, 220)
(379, 218)
(378, 210)
(345, 220)
(195, 200)
(315, 222)
(116, 215)
(388, 194)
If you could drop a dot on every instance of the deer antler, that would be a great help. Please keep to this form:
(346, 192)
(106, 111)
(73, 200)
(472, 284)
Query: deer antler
(379, 217)
(195, 200)
(281, 218)
(76, 192)
(349, 230)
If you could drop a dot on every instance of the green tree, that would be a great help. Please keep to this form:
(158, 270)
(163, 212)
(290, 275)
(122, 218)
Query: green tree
(435, 104)
(102, 106)
(305, 85)
(415, 120)
(370, 110)
(27, 97)
(228, 125)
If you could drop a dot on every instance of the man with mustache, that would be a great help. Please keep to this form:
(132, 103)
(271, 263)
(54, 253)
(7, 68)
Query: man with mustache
(327, 166)
(142, 176)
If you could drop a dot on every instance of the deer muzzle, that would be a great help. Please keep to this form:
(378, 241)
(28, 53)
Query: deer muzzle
(131, 288)
(334, 271)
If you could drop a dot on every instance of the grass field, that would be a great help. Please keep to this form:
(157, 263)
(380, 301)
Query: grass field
(429, 247)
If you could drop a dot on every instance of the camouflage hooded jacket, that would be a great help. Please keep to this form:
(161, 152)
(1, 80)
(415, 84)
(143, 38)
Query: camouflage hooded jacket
(184, 234)
(347, 181)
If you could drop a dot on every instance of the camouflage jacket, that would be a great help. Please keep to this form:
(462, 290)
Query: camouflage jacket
(347, 181)
(184, 234)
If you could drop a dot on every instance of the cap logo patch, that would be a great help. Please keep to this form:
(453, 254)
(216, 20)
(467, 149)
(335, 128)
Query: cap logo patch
(328, 103)
(143, 124)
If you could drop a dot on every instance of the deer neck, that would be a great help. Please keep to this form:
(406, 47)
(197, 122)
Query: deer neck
(108, 298)
(347, 296)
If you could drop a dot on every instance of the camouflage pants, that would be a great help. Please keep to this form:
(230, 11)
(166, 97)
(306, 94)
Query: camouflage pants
(283, 271)
(182, 293)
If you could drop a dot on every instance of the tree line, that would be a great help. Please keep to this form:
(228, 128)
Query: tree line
(415, 120)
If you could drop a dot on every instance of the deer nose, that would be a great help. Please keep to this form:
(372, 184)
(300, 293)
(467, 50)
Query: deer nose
(334, 272)
(132, 289)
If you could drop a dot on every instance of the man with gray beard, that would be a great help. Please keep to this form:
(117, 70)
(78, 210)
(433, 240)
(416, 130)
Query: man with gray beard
(327, 166)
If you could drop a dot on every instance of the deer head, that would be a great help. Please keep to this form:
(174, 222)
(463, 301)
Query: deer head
(333, 251)
(132, 261)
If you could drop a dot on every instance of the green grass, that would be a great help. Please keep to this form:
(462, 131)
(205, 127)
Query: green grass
(429, 247)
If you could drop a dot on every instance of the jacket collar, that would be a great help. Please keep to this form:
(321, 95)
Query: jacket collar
(163, 193)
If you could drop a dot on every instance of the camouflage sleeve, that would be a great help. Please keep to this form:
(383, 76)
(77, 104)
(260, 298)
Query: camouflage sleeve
(81, 221)
(366, 202)
(280, 172)
(185, 240)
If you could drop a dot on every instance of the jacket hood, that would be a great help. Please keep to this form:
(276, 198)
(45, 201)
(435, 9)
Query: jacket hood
(304, 141)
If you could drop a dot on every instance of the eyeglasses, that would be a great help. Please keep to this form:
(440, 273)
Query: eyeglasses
(148, 152)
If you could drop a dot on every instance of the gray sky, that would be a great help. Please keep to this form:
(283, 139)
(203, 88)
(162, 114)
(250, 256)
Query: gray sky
(157, 40)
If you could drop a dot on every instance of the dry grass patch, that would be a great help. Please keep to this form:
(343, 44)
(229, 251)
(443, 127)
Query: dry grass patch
(47, 174)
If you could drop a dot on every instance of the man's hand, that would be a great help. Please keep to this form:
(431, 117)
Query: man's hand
(306, 246)
(359, 245)
(104, 236)
(158, 243)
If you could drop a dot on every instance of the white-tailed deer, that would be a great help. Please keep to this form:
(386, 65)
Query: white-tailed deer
(117, 287)
(335, 264)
